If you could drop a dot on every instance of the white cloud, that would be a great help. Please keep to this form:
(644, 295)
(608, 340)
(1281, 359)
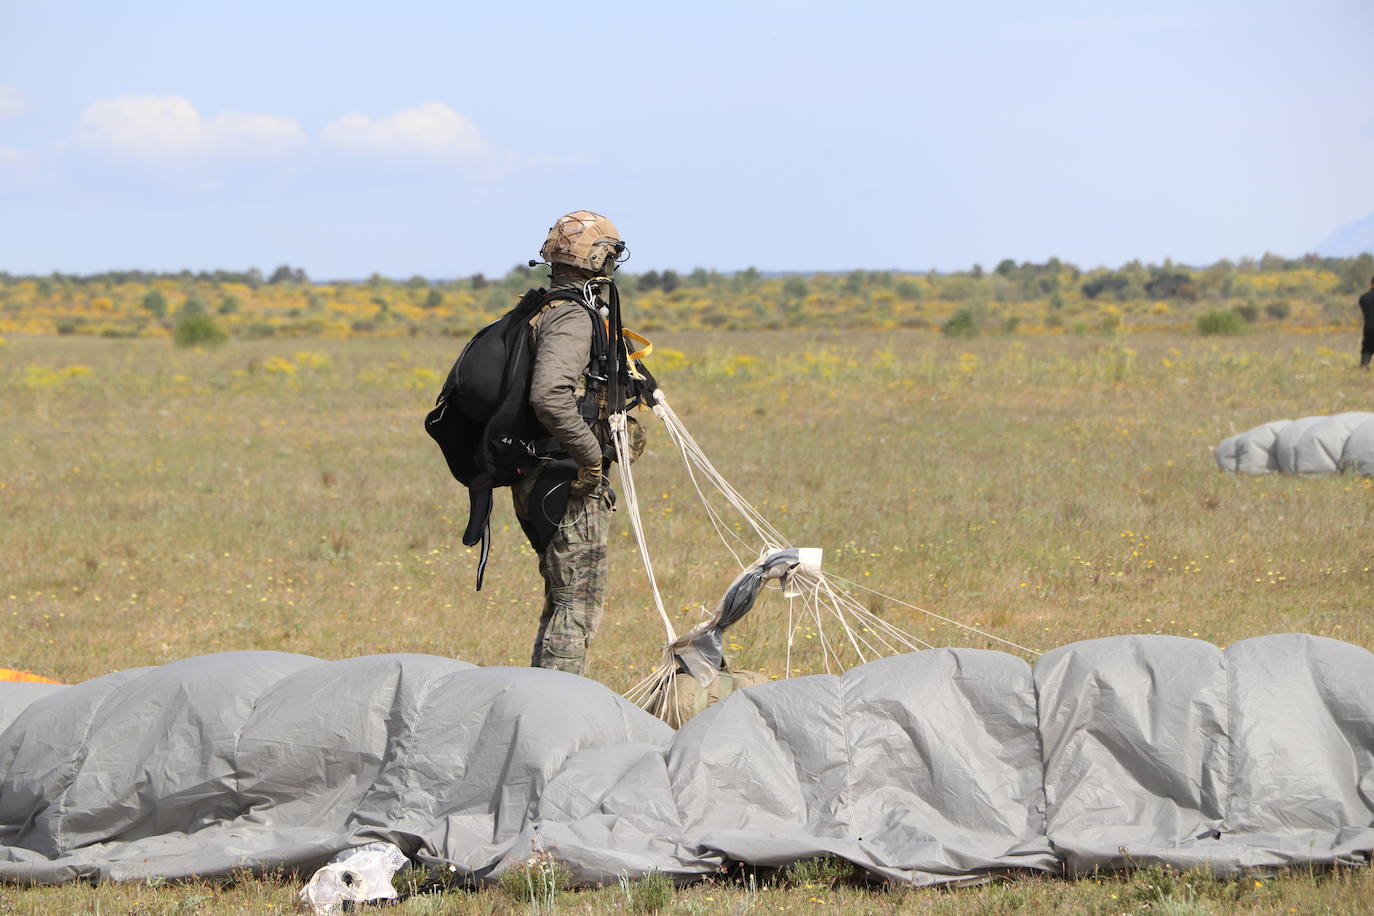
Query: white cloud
(179, 143)
(13, 103)
(169, 127)
(433, 131)
(17, 167)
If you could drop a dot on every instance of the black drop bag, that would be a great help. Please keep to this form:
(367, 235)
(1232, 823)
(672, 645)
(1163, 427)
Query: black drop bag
(547, 502)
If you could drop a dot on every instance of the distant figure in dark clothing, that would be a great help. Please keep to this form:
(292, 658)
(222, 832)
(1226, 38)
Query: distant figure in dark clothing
(1367, 345)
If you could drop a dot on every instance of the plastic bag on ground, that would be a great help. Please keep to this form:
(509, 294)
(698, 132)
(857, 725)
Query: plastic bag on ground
(359, 875)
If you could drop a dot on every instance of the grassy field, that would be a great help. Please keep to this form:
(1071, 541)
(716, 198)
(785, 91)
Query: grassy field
(1149, 892)
(157, 503)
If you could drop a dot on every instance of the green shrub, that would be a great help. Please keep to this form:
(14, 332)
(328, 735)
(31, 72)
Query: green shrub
(156, 303)
(1219, 321)
(962, 323)
(199, 330)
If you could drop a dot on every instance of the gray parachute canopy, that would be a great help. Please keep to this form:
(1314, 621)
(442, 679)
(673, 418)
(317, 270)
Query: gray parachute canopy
(700, 651)
(1312, 445)
(947, 765)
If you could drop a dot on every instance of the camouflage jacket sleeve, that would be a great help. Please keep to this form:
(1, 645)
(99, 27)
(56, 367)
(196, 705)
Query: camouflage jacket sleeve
(562, 349)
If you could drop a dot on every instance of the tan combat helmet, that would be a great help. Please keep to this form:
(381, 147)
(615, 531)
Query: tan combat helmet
(583, 239)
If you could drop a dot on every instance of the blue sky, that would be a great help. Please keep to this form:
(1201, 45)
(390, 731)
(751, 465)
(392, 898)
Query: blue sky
(444, 138)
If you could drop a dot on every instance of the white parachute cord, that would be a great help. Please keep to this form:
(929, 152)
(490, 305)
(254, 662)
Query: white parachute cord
(837, 609)
(640, 691)
(621, 437)
(948, 620)
(651, 694)
(843, 604)
(718, 523)
(882, 631)
(694, 460)
(791, 630)
(822, 588)
(772, 538)
(674, 429)
(880, 628)
(820, 634)
(807, 599)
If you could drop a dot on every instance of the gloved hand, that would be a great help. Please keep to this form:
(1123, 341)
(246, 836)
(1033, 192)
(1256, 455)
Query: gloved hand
(588, 481)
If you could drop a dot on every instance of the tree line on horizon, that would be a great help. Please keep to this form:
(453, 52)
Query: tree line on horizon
(1306, 293)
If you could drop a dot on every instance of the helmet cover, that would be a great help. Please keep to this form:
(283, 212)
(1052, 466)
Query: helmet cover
(583, 239)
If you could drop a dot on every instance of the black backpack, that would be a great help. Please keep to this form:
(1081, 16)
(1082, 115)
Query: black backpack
(484, 425)
(482, 419)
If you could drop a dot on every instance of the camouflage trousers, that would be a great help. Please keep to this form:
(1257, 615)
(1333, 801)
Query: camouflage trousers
(574, 570)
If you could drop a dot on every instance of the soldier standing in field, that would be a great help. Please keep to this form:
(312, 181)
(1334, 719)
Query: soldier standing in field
(1367, 308)
(581, 248)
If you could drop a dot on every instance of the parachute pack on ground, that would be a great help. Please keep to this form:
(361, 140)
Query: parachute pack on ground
(947, 765)
(1340, 443)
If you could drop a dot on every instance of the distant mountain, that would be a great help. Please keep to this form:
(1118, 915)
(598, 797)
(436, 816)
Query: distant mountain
(1350, 240)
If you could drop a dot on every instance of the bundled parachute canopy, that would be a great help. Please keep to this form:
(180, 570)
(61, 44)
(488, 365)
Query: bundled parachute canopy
(946, 765)
(700, 650)
(694, 672)
(1312, 445)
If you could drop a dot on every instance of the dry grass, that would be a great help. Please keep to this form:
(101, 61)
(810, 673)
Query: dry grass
(283, 495)
(1345, 893)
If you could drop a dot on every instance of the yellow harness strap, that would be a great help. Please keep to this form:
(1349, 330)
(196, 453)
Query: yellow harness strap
(645, 350)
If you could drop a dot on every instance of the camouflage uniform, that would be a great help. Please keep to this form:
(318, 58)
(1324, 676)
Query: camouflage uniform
(574, 570)
(574, 564)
